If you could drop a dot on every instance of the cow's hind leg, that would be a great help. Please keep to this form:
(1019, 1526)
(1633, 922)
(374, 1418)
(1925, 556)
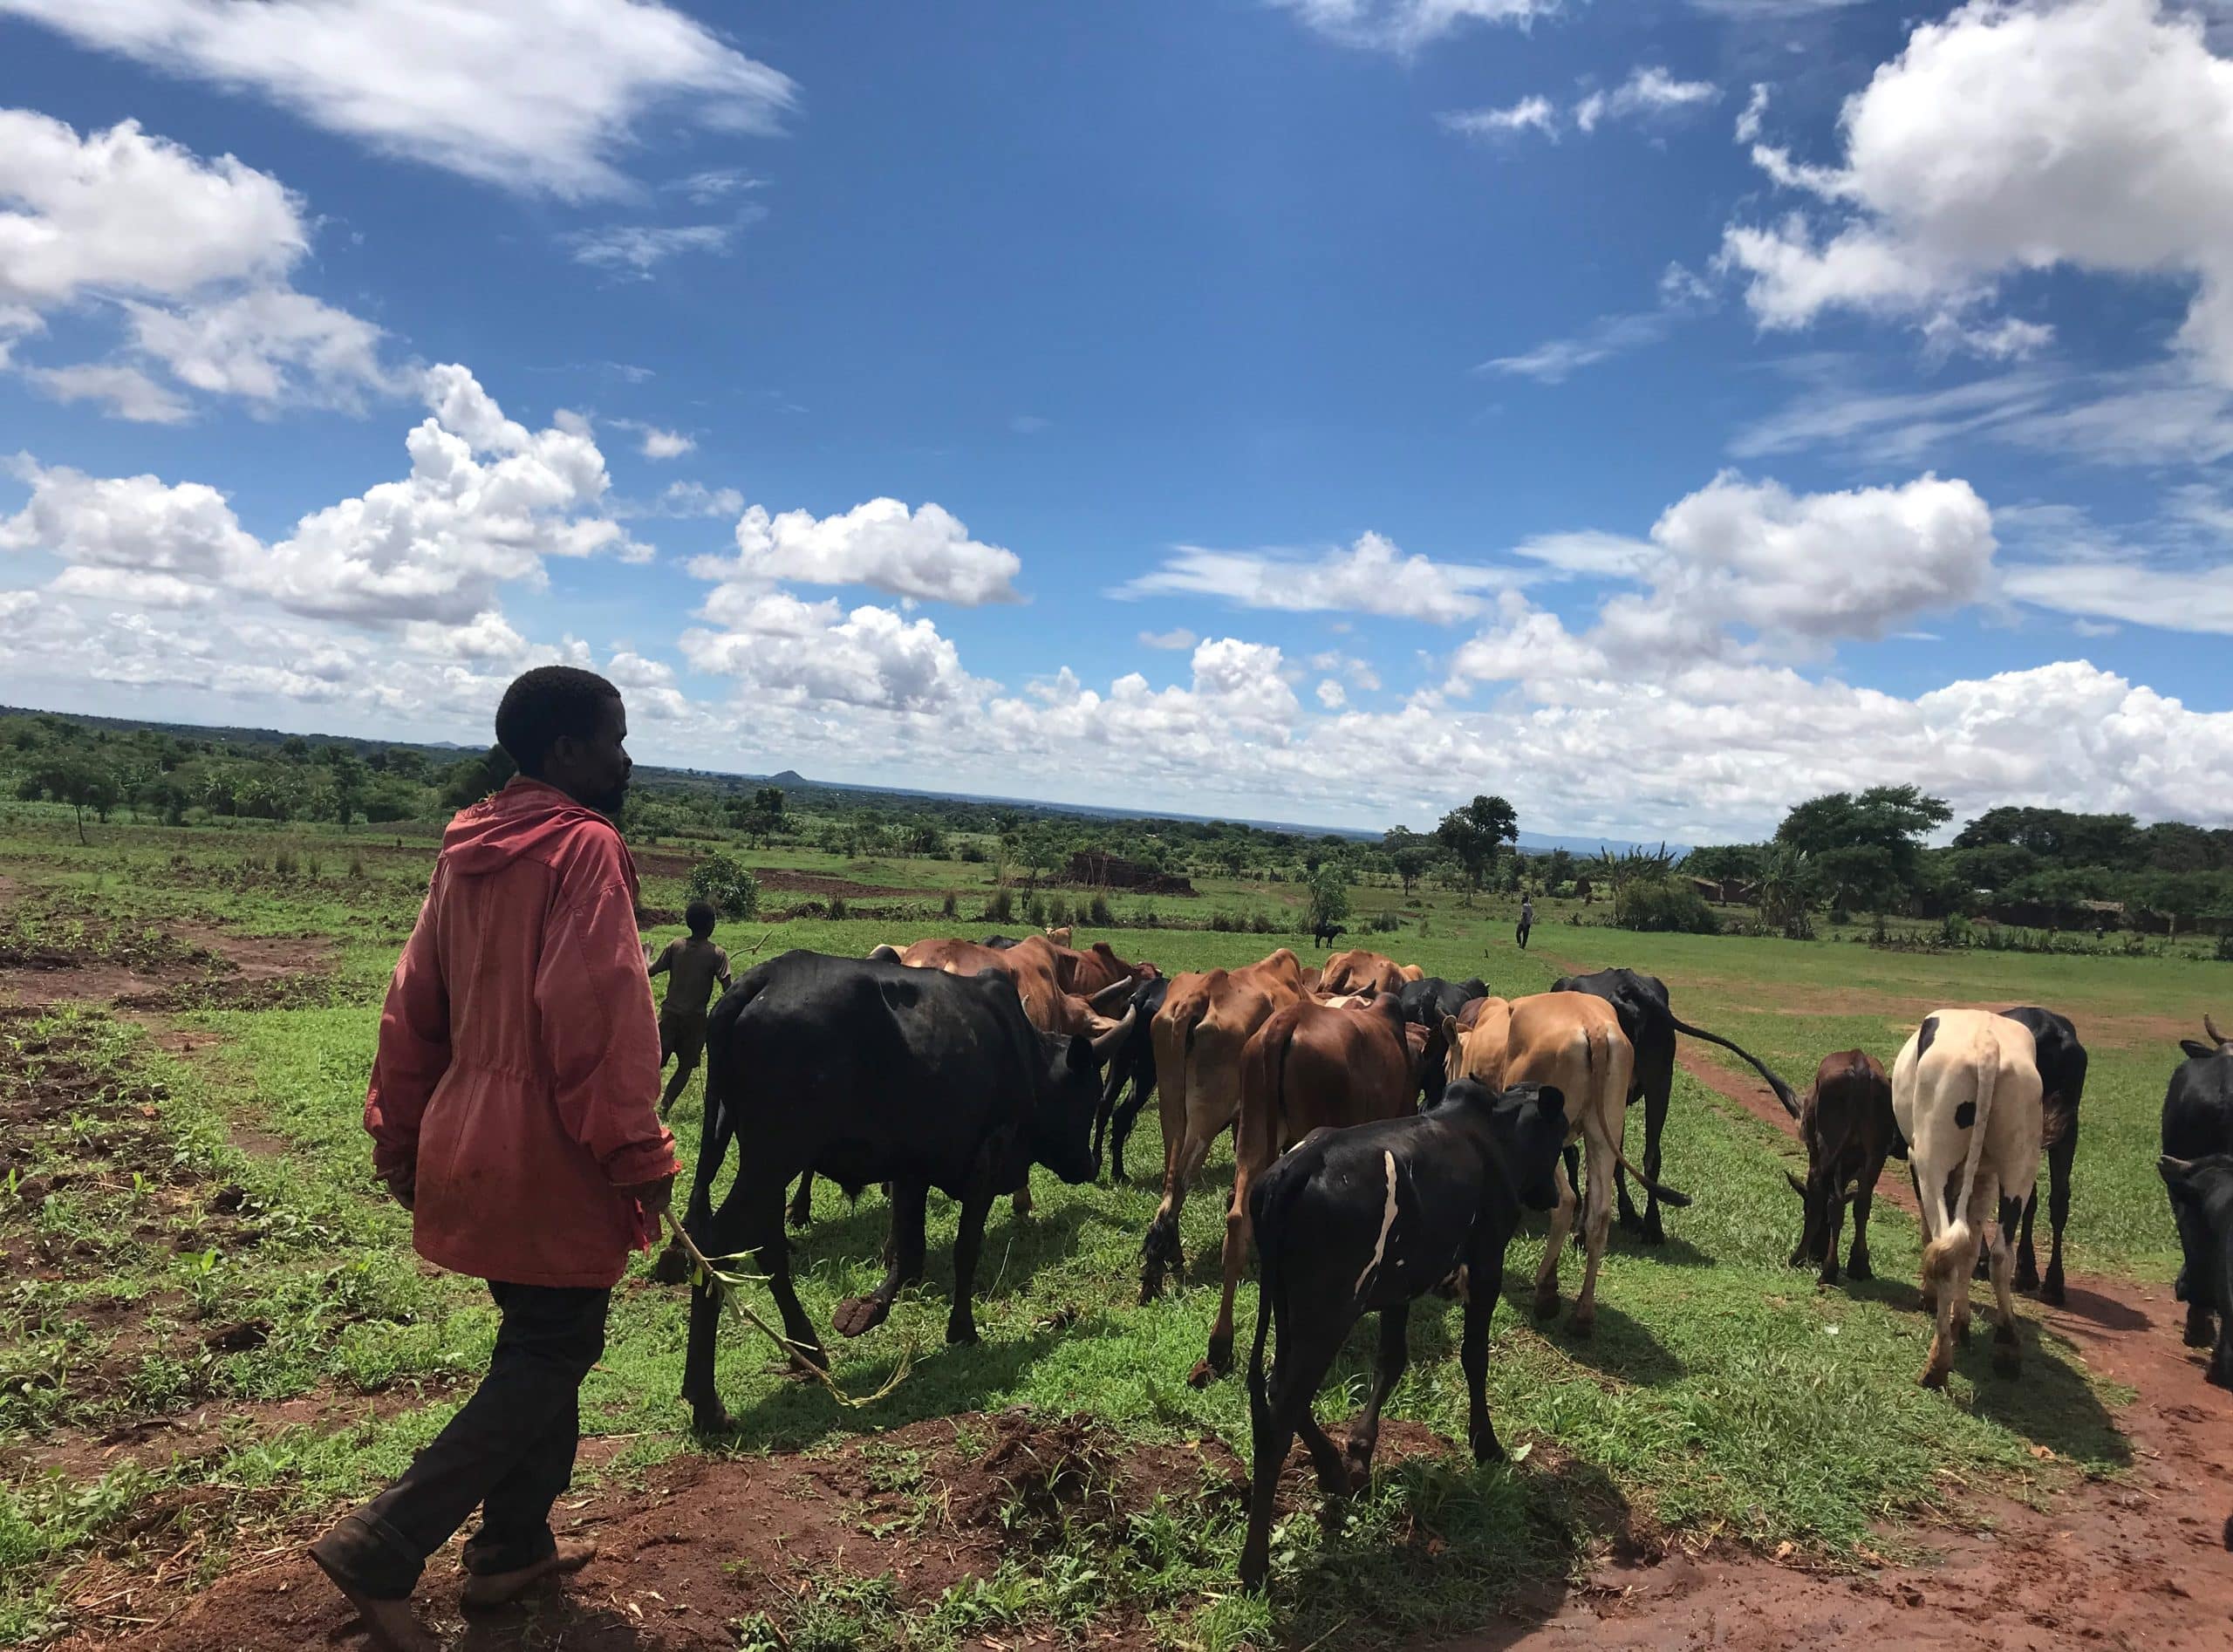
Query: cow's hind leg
(858, 1316)
(1657, 1091)
(1834, 1227)
(1546, 1271)
(1387, 1371)
(1162, 1249)
(2059, 1158)
(746, 1214)
(2007, 1351)
(1483, 1282)
(1597, 1227)
(1857, 1264)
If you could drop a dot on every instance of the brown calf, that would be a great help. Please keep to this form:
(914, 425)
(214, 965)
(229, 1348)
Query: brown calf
(1845, 1119)
(1359, 971)
(1308, 1066)
(1200, 1034)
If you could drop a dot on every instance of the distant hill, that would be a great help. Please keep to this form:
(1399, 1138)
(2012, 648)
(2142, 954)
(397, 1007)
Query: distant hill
(798, 786)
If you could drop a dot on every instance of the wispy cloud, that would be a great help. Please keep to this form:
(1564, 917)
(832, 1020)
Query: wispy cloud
(1555, 361)
(1649, 93)
(635, 250)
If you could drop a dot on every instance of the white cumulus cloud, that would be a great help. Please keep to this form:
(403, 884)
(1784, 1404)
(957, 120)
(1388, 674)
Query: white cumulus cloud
(925, 553)
(540, 96)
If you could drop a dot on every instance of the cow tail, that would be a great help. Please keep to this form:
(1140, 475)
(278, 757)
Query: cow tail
(1783, 1091)
(1271, 1301)
(1941, 1257)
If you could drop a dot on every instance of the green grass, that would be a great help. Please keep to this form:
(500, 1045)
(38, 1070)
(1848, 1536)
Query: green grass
(1722, 1395)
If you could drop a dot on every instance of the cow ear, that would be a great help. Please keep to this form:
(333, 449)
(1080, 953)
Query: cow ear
(1081, 1055)
(2197, 1048)
(1797, 1186)
(2175, 1171)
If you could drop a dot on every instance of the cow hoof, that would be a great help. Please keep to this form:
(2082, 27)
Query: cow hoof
(672, 1267)
(1654, 1233)
(1255, 1563)
(713, 1417)
(2052, 1293)
(960, 1332)
(1546, 1305)
(1826, 1280)
(1202, 1375)
(1489, 1451)
(1932, 1378)
(2200, 1331)
(2028, 1283)
(858, 1316)
(1858, 1268)
(798, 1218)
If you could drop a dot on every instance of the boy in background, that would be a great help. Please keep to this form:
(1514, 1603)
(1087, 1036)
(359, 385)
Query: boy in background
(692, 965)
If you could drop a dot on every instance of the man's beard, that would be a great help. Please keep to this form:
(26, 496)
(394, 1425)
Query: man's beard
(610, 803)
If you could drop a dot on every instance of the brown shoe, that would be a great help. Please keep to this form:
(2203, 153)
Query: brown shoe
(392, 1625)
(485, 1589)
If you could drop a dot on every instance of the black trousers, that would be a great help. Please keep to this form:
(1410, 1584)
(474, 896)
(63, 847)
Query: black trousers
(1524, 928)
(508, 1452)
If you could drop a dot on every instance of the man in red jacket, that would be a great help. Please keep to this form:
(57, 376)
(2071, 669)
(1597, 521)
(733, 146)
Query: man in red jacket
(513, 1111)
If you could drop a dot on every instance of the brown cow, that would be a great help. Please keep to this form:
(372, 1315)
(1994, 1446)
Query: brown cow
(1846, 1120)
(1571, 1041)
(1348, 973)
(1205, 1023)
(1310, 1066)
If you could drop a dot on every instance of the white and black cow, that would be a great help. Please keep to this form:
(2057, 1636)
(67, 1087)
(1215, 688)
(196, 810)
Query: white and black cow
(1965, 1095)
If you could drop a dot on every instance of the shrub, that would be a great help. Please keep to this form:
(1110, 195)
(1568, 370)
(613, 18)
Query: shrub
(2224, 953)
(1262, 924)
(1035, 910)
(951, 906)
(728, 884)
(838, 910)
(1654, 905)
(1058, 911)
(1096, 911)
(1000, 908)
(1386, 922)
(1957, 930)
(283, 864)
(971, 852)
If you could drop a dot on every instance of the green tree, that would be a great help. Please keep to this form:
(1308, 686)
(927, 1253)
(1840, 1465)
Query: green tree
(348, 772)
(471, 779)
(1476, 835)
(1329, 898)
(728, 884)
(1785, 887)
(82, 783)
(1412, 865)
(1867, 848)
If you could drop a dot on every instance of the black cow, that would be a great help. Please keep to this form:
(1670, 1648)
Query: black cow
(1370, 1218)
(2062, 1085)
(1429, 1002)
(1650, 1023)
(1327, 934)
(867, 1071)
(2198, 1122)
(1132, 1061)
(2202, 1197)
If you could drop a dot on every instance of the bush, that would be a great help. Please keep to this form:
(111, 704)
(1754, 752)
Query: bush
(838, 910)
(1654, 905)
(971, 852)
(951, 906)
(1035, 910)
(2225, 952)
(728, 884)
(1000, 908)
(1386, 922)
(1957, 930)
(1096, 911)
(1058, 912)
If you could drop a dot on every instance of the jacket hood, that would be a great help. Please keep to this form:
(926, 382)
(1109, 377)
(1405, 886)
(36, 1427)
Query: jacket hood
(526, 817)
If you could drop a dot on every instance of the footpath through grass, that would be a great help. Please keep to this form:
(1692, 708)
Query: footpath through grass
(253, 1271)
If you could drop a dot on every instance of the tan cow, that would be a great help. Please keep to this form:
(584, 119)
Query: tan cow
(1965, 1093)
(1205, 1023)
(1572, 1041)
(1309, 1066)
(1358, 971)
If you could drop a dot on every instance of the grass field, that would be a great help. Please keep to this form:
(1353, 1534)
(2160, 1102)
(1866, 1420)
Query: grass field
(191, 1233)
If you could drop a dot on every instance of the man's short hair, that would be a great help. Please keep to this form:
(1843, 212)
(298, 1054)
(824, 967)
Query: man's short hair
(699, 915)
(543, 705)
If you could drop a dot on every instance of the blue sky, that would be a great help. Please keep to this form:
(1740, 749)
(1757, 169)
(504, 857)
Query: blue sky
(1330, 409)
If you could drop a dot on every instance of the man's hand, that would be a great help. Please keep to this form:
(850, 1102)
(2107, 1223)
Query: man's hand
(657, 1197)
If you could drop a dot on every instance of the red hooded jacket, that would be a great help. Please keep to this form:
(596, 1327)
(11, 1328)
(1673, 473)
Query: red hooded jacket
(517, 1085)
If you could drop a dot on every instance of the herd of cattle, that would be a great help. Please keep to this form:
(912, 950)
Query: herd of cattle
(957, 1065)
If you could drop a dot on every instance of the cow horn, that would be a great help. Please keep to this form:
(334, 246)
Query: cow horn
(1797, 1186)
(2210, 1027)
(1109, 994)
(1109, 1039)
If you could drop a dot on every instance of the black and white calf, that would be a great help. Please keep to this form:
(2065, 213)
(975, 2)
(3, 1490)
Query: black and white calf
(1351, 1221)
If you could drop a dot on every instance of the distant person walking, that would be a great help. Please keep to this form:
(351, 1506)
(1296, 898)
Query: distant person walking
(692, 965)
(512, 1112)
(1527, 918)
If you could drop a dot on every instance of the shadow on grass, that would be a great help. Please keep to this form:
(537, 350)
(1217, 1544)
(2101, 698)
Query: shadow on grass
(945, 1381)
(1015, 1246)
(2050, 1404)
(1438, 1545)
